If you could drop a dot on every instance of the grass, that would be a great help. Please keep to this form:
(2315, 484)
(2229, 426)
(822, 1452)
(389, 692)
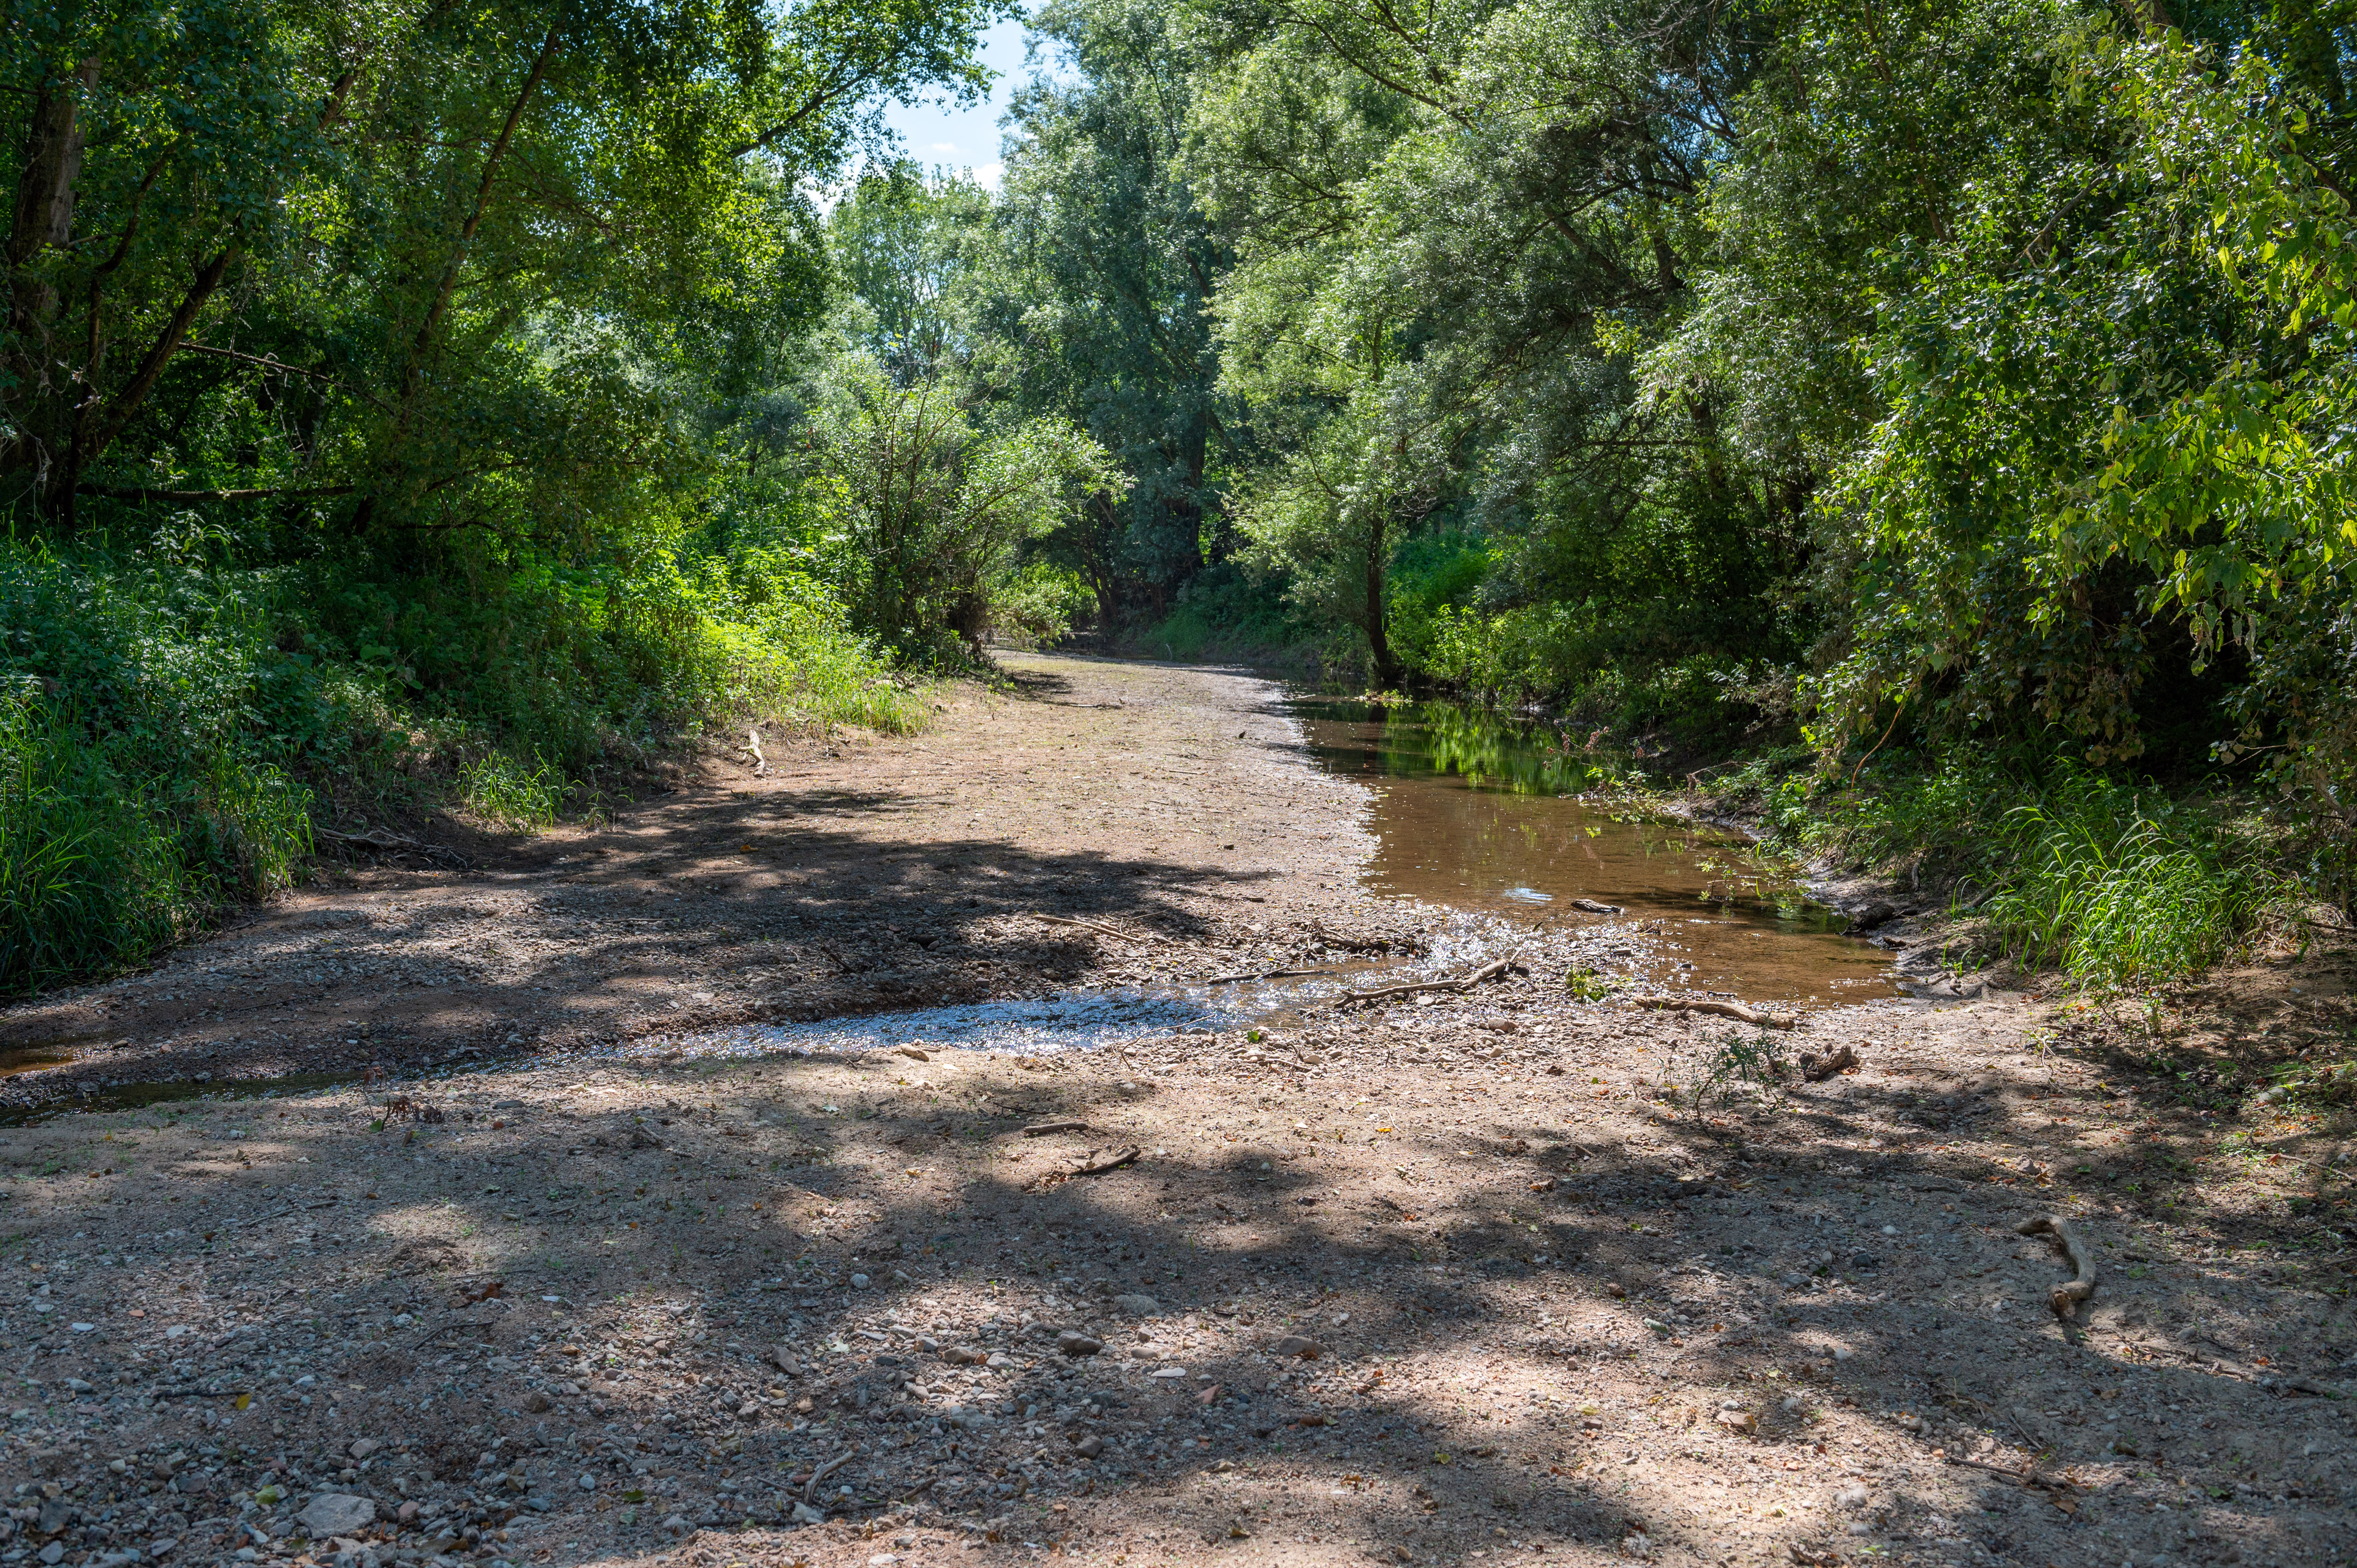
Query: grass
(171, 725)
(2116, 884)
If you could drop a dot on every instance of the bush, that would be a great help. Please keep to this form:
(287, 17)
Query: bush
(169, 724)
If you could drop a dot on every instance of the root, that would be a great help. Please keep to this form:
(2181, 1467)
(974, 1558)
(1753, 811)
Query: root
(1734, 1010)
(1816, 1068)
(2066, 1296)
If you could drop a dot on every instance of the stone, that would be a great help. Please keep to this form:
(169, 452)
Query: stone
(675, 1525)
(362, 1447)
(535, 1403)
(1851, 1497)
(336, 1513)
(1090, 1446)
(587, 1482)
(964, 1356)
(162, 1545)
(806, 1514)
(998, 1360)
(1073, 1342)
(55, 1553)
(1299, 1345)
(783, 1359)
(407, 1513)
(859, 1281)
(1136, 1305)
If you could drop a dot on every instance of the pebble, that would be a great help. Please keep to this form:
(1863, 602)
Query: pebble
(336, 1513)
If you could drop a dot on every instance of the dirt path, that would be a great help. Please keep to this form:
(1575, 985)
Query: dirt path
(853, 875)
(1453, 1279)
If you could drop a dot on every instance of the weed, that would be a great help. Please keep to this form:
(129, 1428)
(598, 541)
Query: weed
(522, 795)
(1733, 1063)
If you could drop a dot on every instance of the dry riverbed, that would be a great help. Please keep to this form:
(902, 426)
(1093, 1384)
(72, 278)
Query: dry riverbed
(1447, 1277)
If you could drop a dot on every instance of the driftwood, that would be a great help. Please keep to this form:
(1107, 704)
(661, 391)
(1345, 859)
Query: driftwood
(1816, 1068)
(378, 839)
(2065, 1297)
(1108, 931)
(1489, 971)
(1734, 1010)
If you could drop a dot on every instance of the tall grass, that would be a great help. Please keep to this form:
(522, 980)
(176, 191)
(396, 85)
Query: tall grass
(170, 720)
(2113, 884)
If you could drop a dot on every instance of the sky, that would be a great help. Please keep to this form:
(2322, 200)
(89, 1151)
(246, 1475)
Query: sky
(938, 134)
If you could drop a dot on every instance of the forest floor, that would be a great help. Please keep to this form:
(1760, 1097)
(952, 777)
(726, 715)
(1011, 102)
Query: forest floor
(1441, 1279)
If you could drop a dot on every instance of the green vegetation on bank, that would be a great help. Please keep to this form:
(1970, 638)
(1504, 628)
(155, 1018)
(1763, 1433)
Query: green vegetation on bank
(1948, 407)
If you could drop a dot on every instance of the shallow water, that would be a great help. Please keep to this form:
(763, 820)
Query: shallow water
(1481, 813)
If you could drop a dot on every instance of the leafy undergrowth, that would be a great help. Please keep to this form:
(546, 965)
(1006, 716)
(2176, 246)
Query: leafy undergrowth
(172, 726)
(2114, 884)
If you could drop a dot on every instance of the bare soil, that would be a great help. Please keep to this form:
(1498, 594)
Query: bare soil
(1452, 1277)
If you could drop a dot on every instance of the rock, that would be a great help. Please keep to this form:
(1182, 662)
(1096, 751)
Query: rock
(675, 1525)
(1136, 1305)
(1852, 1497)
(1073, 1342)
(56, 1514)
(336, 1513)
(783, 1359)
(964, 1356)
(1299, 1345)
(55, 1553)
(1092, 1445)
(362, 1447)
(1173, 1372)
(1865, 1261)
(859, 1281)
(806, 1514)
(163, 1544)
(535, 1403)
(407, 1513)
(587, 1483)
(1739, 1421)
(1596, 906)
(998, 1360)
(1878, 914)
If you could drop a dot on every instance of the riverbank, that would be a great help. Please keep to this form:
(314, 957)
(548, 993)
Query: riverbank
(1456, 1276)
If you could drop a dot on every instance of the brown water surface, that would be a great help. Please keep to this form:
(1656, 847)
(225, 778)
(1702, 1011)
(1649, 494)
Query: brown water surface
(1477, 812)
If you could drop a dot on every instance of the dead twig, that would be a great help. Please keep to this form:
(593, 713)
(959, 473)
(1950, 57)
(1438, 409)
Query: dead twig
(2065, 1297)
(824, 1471)
(1098, 1167)
(1108, 931)
(1262, 974)
(1817, 1068)
(1044, 1128)
(1734, 1010)
(1489, 971)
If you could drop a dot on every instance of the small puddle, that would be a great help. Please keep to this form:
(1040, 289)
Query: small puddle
(1481, 813)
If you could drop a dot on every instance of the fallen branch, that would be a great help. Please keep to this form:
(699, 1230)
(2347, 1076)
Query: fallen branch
(377, 838)
(2065, 1297)
(1262, 974)
(1486, 972)
(1044, 1128)
(824, 1471)
(1734, 1010)
(1100, 1166)
(2028, 1476)
(1092, 926)
(1817, 1068)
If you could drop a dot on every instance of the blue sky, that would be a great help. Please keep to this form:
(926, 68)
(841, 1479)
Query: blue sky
(937, 134)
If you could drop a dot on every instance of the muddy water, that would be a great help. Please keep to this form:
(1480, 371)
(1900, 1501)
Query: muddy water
(1477, 813)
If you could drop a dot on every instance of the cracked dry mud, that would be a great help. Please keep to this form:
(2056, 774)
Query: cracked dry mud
(1434, 1281)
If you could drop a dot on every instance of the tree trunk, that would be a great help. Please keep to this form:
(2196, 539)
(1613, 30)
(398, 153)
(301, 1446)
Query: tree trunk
(414, 364)
(1379, 640)
(42, 397)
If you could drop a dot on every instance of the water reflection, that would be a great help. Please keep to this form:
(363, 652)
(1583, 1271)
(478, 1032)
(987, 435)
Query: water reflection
(1476, 811)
